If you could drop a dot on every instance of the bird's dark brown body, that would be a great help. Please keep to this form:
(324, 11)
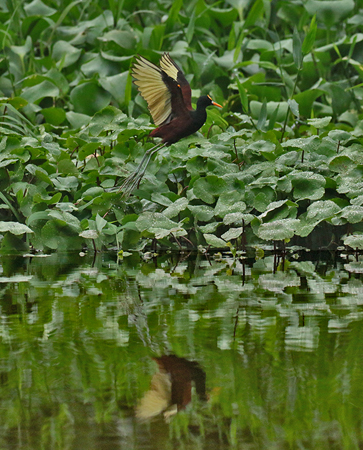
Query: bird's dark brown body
(175, 130)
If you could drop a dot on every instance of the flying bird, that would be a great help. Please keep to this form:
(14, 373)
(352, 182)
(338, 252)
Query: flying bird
(169, 98)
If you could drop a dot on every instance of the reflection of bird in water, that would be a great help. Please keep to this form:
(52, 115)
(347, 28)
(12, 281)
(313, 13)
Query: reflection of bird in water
(171, 387)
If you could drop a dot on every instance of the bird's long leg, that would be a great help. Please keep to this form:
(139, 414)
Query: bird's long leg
(134, 179)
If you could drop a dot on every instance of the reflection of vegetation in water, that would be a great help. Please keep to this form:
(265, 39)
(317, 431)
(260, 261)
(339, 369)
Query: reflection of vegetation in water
(281, 351)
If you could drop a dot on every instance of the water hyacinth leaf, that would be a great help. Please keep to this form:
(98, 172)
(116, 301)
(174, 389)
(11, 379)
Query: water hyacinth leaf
(123, 38)
(116, 86)
(341, 164)
(54, 116)
(36, 93)
(294, 107)
(238, 218)
(174, 209)
(263, 198)
(161, 200)
(304, 267)
(308, 185)
(309, 143)
(81, 94)
(354, 241)
(65, 54)
(209, 227)
(306, 99)
(330, 12)
(149, 220)
(89, 234)
(208, 188)
(77, 120)
(38, 8)
(339, 135)
(229, 202)
(63, 218)
(87, 150)
(14, 228)
(65, 183)
(353, 214)
(100, 223)
(214, 241)
(232, 233)
(278, 230)
(322, 210)
(262, 146)
(320, 123)
(202, 213)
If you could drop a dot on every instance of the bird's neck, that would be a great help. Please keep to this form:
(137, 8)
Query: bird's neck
(199, 115)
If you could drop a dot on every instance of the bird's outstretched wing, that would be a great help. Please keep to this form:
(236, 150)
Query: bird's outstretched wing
(148, 78)
(165, 89)
(174, 71)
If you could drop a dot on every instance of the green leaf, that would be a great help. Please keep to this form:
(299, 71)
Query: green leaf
(294, 107)
(214, 241)
(202, 213)
(81, 95)
(308, 185)
(296, 48)
(262, 116)
(309, 39)
(54, 116)
(39, 91)
(208, 188)
(87, 150)
(322, 210)
(242, 96)
(353, 214)
(278, 230)
(38, 8)
(320, 123)
(330, 12)
(116, 86)
(89, 234)
(254, 14)
(232, 233)
(65, 54)
(148, 220)
(173, 210)
(125, 39)
(14, 228)
(354, 241)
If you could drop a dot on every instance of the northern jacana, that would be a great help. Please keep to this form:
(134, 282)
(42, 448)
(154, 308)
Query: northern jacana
(169, 98)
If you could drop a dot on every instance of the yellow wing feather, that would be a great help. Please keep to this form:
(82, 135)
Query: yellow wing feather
(168, 66)
(148, 79)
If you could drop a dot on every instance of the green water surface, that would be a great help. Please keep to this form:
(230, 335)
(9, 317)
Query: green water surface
(282, 351)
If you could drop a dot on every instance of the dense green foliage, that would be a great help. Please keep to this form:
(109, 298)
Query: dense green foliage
(282, 158)
(282, 351)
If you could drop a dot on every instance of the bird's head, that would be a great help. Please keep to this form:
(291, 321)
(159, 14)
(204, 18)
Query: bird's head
(205, 101)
